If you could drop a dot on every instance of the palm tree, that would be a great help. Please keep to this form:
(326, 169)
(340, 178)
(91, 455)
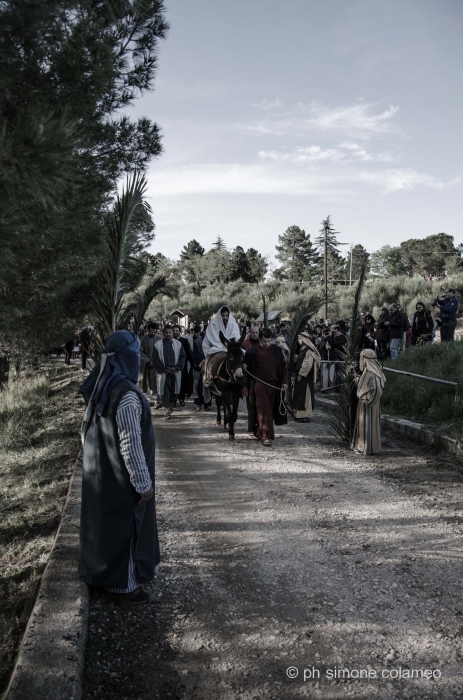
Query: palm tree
(123, 232)
(134, 311)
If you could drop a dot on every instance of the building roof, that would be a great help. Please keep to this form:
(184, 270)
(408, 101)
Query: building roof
(271, 316)
(181, 312)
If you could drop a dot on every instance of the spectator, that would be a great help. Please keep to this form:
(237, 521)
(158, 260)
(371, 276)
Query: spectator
(368, 333)
(396, 326)
(382, 334)
(422, 325)
(448, 315)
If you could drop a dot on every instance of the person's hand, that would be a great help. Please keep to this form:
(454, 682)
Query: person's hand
(284, 387)
(387, 323)
(146, 496)
(299, 377)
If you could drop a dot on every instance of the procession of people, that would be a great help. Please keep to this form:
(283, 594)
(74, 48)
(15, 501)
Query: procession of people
(119, 543)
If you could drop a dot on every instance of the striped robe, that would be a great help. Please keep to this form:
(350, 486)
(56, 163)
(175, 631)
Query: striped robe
(368, 429)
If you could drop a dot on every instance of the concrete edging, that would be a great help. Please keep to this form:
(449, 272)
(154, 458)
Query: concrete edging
(414, 431)
(50, 662)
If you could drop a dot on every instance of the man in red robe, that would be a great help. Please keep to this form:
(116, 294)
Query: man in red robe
(268, 377)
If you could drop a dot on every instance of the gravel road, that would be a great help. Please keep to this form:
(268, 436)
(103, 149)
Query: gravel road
(304, 556)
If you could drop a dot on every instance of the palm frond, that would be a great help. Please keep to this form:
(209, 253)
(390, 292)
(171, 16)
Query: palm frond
(135, 311)
(123, 232)
(311, 306)
(341, 416)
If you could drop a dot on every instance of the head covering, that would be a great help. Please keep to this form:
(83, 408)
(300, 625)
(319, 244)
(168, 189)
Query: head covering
(281, 342)
(369, 365)
(312, 349)
(120, 360)
(212, 342)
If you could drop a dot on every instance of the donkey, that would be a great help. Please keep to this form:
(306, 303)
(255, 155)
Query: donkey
(229, 382)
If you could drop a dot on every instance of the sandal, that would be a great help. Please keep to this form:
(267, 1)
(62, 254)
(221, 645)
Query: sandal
(168, 415)
(266, 442)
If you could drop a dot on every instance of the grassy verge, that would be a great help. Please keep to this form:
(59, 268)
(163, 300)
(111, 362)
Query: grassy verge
(39, 442)
(439, 406)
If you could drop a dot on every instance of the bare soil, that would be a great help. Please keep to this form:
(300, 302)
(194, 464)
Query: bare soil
(303, 556)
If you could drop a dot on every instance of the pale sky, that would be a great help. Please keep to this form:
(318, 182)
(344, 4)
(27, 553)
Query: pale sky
(279, 113)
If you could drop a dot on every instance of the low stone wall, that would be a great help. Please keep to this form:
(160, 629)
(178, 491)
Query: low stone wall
(50, 661)
(417, 432)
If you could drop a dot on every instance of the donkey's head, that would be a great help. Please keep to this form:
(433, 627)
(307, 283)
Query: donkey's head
(234, 355)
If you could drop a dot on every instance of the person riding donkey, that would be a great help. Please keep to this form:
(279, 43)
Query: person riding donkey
(213, 348)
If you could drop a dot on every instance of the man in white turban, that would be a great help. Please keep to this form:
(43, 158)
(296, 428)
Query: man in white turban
(223, 322)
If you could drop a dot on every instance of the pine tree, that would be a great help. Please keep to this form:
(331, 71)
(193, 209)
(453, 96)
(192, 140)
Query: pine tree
(355, 261)
(335, 261)
(190, 257)
(219, 244)
(297, 254)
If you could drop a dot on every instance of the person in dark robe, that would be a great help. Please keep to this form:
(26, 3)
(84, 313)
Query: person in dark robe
(306, 365)
(149, 381)
(68, 349)
(119, 547)
(169, 360)
(268, 378)
(186, 387)
(85, 344)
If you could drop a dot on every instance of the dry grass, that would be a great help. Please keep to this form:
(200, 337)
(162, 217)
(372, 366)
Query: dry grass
(39, 442)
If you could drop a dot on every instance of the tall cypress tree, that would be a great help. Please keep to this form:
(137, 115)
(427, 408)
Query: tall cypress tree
(335, 261)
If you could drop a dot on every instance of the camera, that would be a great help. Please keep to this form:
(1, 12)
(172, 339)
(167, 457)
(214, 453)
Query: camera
(437, 301)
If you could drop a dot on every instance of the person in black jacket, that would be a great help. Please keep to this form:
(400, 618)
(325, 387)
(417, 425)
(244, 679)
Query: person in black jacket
(368, 333)
(396, 325)
(422, 325)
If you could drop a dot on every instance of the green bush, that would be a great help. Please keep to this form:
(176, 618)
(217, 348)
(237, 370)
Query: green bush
(437, 405)
(20, 404)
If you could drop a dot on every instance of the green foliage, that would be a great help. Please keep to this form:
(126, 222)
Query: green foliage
(123, 226)
(358, 255)
(297, 255)
(335, 262)
(437, 405)
(66, 68)
(418, 256)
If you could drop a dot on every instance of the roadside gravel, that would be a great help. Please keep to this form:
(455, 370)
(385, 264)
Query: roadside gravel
(302, 555)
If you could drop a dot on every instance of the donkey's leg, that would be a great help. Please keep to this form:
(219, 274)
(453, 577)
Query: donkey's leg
(218, 401)
(229, 418)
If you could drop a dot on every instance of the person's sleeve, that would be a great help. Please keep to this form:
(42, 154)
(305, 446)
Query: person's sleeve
(159, 366)
(181, 360)
(306, 365)
(128, 421)
(374, 390)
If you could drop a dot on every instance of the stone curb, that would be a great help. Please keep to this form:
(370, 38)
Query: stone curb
(415, 431)
(51, 657)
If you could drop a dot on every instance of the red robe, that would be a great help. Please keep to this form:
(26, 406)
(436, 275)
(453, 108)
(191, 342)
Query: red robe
(264, 367)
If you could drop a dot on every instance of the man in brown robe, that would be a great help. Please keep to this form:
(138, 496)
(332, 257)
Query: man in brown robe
(268, 377)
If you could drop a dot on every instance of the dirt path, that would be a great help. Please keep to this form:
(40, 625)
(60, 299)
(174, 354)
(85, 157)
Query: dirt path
(303, 555)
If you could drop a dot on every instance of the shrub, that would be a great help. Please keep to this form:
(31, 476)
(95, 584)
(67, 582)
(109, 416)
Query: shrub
(438, 405)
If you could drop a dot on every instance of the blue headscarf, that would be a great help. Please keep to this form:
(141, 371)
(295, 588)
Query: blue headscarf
(120, 360)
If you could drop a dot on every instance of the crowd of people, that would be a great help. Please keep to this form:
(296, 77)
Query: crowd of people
(119, 547)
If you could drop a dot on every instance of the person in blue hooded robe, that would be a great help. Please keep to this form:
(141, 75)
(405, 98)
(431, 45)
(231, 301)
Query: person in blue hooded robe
(119, 547)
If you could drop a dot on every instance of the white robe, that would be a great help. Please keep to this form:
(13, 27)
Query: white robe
(211, 342)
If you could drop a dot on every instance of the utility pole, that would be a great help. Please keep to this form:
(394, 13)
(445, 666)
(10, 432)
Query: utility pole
(326, 270)
(350, 273)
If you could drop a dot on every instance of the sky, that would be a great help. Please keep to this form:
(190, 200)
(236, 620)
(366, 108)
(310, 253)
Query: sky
(280, 113)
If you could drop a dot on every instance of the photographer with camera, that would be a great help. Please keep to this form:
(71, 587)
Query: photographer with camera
(447, 319)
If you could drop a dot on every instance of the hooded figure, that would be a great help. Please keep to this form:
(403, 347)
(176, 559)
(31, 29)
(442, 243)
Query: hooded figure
(367, 435)
(119, 546)
(230, 329)
(307, 364)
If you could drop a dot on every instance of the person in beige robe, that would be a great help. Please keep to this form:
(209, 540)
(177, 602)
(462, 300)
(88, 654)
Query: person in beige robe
(307, 364)
(370, 386)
